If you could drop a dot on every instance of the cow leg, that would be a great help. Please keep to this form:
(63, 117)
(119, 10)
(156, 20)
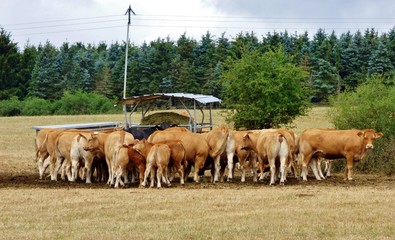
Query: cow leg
(44, 167)
(253, 163)
(147, 171)
(283, 169)
(217, 167)
(88, 168)
(272, 163)
(59, 165)
(241, 165)
(305, 163)
(187, 171)
(165, 176)
(53, 168)
(199, 163)
(141, 174)
(152, 177)
(314, 167)
(319, 167)
(159, 173)
(40, 165)
(262, 169)
(348, 171)
(74, 168)
(229, 157)
(328, 166)
(118, 175)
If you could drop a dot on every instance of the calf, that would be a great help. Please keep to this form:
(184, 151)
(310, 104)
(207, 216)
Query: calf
(156, 155)
(195, 144)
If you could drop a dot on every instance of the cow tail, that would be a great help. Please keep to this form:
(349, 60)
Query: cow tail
(40, 147)
(280, 138)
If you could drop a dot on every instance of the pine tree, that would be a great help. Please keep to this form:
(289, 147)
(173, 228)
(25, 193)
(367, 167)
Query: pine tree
(45, 81)
(10, 60)
(379, 61)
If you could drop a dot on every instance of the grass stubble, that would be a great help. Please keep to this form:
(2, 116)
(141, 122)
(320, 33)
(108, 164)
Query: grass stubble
(305, 210)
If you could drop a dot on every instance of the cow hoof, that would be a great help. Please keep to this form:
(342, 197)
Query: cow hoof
(282, 184)
(230, 179)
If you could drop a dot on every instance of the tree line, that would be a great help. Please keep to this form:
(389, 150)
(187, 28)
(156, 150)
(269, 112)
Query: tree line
(333, 62)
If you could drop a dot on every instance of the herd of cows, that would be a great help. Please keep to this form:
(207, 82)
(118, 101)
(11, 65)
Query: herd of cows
(120, 157)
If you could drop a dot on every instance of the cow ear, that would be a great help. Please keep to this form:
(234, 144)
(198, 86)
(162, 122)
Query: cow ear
(378, 135)
(360, 134)
(246, 136)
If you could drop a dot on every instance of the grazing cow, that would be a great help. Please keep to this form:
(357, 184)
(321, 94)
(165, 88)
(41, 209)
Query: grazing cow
(332, 144)
(42, 154)
(63, 151)
(269, 145)
(78, 154)
(156, 155)
(135, 160)
(109, 145)
(177, 157)
(219, 141)
(49, 148)
(195, 144)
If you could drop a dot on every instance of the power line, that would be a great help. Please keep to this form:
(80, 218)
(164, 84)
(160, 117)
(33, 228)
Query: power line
(193, 22)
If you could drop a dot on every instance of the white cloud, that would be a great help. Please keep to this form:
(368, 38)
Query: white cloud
(94, 21)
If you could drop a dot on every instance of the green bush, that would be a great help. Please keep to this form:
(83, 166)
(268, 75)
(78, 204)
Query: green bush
(36, 107)
(11, 107)
(371, 105)
(79, 102)
(72, 103)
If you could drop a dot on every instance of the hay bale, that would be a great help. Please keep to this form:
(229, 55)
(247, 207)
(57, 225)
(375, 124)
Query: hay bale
(169, 117)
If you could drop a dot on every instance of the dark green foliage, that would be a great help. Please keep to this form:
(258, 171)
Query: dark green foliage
(370, 106)
(10, 63)
(45, 82)
(72, 103)
(79, 102)
(10, 107)
(264, 90)
(36, 106)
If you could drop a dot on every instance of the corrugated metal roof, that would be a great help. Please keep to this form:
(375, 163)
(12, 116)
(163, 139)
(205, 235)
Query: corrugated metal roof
(204, 99)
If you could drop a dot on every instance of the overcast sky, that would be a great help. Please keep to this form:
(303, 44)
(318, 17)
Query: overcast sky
(95, 21)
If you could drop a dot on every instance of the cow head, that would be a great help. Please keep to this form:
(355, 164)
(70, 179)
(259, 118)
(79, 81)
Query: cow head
(140, 145)
(368, 136)
(247, 142)
(92, 143)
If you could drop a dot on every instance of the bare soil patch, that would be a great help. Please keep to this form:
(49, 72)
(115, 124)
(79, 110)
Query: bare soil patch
(29, 180)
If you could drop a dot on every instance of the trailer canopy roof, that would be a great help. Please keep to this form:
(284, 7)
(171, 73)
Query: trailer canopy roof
(203, 99)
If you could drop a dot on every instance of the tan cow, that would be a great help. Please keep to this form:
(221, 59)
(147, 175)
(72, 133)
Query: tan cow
(157, 155)
(195, 145)
(246, 157)
(136, 160)
(79, 155)
(62, 152)
(332, 144)
(269, 145)
(42, 154)
(177, 157)
(109, 145)
(219, 141)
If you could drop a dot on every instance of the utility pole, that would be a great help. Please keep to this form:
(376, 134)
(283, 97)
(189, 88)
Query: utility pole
(126, 64)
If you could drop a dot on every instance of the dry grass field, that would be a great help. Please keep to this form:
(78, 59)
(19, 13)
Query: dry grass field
(328, 209)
